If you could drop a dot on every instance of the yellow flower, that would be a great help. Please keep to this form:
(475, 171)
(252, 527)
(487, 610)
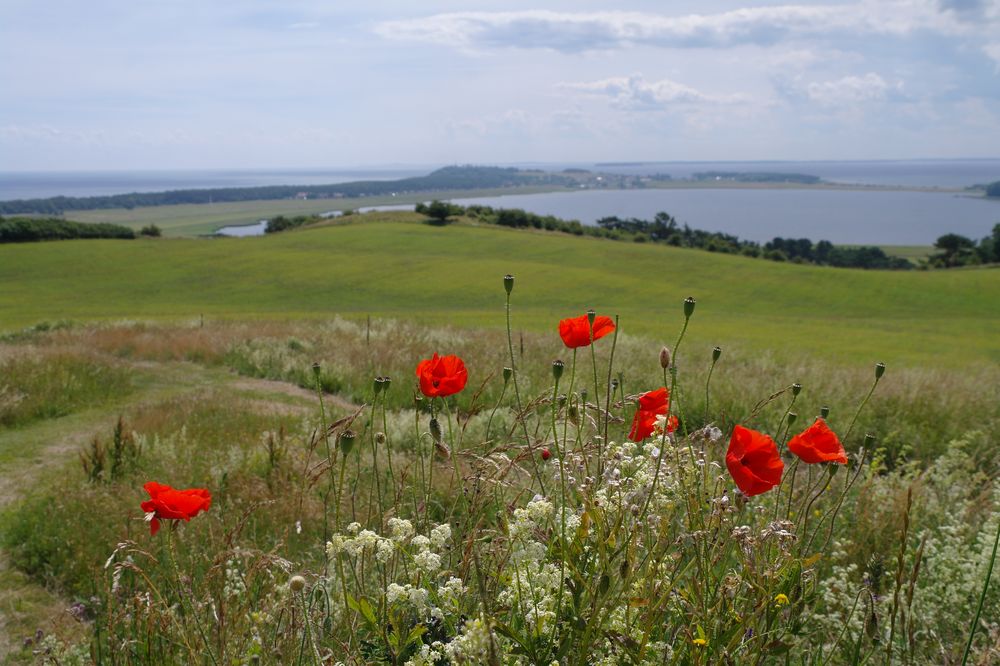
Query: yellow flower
(700, 642)
(780, 600)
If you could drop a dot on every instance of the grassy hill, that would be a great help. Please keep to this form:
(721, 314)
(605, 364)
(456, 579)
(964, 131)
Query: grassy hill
(389, 264)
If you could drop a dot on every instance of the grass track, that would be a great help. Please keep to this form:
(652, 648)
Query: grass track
(390, 265)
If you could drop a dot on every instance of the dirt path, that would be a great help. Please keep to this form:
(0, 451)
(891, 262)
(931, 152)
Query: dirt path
(27, 454)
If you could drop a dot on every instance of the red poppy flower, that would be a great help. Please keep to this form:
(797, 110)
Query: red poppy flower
(441, 376)
(753, 461)
(575, 332)
(165, 503)
(652, 405)
(818, 444)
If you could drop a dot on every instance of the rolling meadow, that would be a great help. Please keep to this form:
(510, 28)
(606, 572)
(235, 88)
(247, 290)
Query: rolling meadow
(361, 513)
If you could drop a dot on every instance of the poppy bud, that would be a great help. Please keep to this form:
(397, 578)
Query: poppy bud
(297, 583)
(508, 282)
(824, 411)
(347, 441)
(546, 454)
(377, 385)
(879, 370)
(386, 381)
(557, 369)
(791, 417)
(435, 431)
(796, 388)
(507, 372)
(688, 306)
(665, 358)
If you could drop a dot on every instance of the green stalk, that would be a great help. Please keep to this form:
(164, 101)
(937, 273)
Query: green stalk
(517, 397)
(982, 597)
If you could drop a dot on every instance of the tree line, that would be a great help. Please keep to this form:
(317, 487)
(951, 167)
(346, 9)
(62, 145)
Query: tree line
(447, 178)
(955, 250)
(27, 230)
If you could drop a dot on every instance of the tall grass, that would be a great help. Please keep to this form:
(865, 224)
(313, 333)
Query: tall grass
(521, 528)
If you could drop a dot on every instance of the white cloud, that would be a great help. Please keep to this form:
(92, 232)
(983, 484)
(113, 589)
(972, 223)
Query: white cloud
(852, 90)
(993, 51)
(585, 31)
(635, 93)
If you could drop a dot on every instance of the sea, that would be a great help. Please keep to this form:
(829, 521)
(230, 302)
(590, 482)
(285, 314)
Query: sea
(852, 216)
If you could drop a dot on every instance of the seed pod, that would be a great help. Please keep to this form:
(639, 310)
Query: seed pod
(716, 353)
(508, 282)
(791, 417)
(796, 388)
(824, 411)
(315, 369)
(591, 316)
(297, 583)
(689, 306)
(507, 373)
(347, 441)
(879, 370)
(380, 438)
(386, 381)
(557, 369)
(377, 385)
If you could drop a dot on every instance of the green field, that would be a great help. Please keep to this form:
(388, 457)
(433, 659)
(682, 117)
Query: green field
(392, 265)
(204, 219)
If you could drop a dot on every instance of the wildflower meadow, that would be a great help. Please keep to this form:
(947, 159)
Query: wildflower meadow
(609, 505)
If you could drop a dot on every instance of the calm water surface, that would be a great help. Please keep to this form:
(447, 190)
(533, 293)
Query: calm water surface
(847, 216)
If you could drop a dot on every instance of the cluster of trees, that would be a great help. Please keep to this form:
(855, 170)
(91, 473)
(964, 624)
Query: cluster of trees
(282, 223)
(955, 250)
(663, 228)
(28, 229)
(448, 178)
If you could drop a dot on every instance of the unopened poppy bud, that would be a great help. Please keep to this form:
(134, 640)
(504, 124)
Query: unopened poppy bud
(689, 306)
(507, 373)
(879, 370)
(297, 583)
(436, 431)
(824, 412)
(508, 282)
(665, 358)
(716, 353)
(796, 388)
(791, 417)
(347, 441)
(546, 454)
(380, 438)
(557, 369)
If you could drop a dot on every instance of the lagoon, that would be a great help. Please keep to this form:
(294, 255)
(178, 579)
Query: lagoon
(840, 216)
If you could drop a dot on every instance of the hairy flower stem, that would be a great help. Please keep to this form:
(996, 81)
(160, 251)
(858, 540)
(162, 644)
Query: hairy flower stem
(982, 597)
(517, 397)
(183, 598)
(388, 451)
(708, 383)
(375, 472)
(861, 407)
(597, 401)
(609, 396)
(489, 424)
(569, 403)
(561, 511)
(329, 453)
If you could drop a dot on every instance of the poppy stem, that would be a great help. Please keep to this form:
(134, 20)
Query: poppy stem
(611, 362)
(517, 397)
(708, 381)
(982, 597)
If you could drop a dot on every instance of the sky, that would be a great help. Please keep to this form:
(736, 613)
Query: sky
(190, 84)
